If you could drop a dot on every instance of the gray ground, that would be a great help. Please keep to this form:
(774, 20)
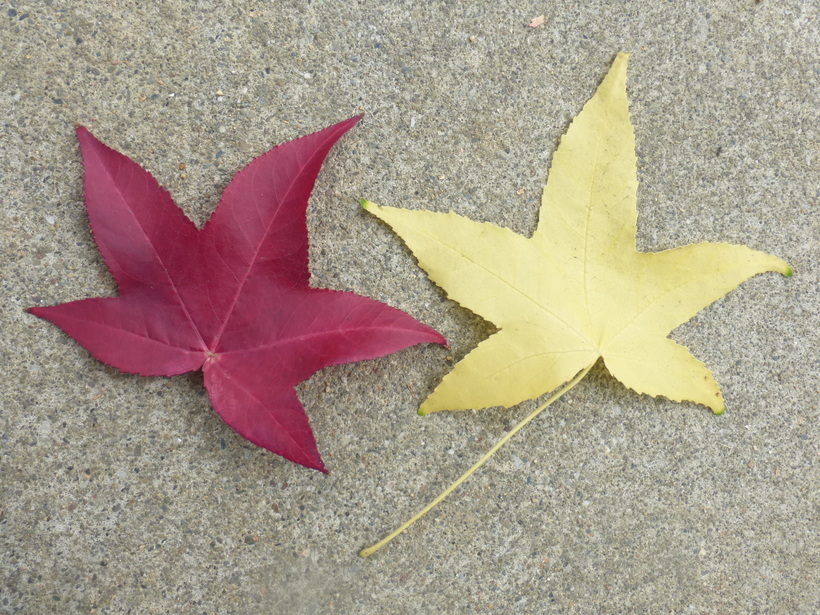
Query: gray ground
(123, 494)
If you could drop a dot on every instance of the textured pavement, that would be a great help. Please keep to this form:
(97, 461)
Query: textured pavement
(122, 494)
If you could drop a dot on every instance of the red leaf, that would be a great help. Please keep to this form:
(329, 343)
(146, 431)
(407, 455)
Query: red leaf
(232, 298)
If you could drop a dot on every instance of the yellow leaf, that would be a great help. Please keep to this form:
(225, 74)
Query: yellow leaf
(577, 290)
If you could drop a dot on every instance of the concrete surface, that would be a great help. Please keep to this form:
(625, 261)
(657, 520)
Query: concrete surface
(123, 494)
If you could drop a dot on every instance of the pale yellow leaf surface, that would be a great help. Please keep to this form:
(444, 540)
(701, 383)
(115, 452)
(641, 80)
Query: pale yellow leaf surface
(578, 289)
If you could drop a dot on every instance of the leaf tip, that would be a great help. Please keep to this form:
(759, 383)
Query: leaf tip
(781, 267)
(352, 121)
(368, 205)
(719, 411)
(621, 60)
(423, 412)
(35, 310)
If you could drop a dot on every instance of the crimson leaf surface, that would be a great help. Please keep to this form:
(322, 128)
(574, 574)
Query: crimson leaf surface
(233, 298)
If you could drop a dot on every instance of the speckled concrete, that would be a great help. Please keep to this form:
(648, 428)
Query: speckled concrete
(123, 494)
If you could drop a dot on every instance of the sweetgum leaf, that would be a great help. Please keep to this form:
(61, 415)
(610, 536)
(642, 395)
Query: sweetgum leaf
(577, 290)
(232, 298)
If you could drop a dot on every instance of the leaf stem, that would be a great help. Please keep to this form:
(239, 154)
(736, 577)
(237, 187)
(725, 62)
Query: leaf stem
(555, 396)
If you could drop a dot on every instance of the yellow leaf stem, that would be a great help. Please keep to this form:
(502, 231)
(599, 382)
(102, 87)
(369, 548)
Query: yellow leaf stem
(557, 395)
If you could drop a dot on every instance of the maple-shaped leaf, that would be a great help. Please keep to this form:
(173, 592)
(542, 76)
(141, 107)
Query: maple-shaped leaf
(232, 298)
(577, 290)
